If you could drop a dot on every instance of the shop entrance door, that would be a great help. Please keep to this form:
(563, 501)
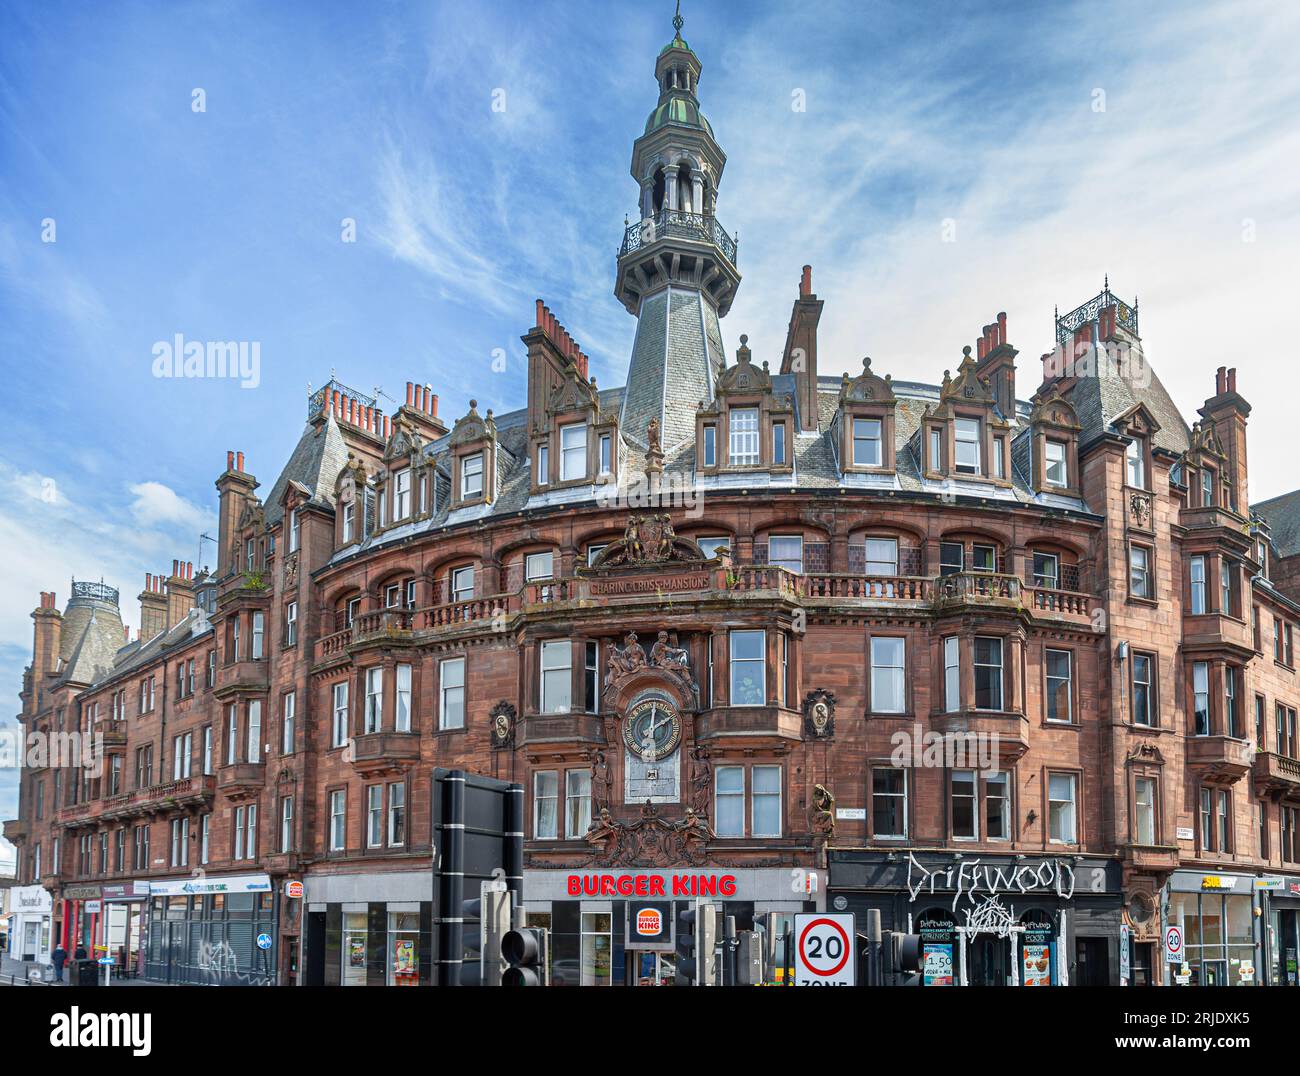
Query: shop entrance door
(990, 960)
(1142, 955)
(31, 945)
(1091, 962)
(1215, 972)
(175, 952)
(651, 967)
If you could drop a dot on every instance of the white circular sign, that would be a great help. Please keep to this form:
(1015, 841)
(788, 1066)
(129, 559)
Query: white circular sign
(1173, 942)
(264, 941)
(824, 954)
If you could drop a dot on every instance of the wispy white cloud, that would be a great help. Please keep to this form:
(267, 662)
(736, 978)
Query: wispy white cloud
(157, 505)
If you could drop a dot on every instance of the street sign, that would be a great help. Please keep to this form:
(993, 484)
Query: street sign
(293, 890)
(264, 941)
(824, 954)
(1124, 969)
(1173, 944)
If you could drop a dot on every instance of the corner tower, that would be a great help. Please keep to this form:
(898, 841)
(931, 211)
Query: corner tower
(677, 266)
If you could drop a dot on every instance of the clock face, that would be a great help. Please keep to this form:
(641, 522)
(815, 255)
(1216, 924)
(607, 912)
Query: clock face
(652, 730)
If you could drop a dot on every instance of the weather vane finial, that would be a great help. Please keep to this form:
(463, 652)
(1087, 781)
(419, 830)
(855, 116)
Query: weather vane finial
(678, 21)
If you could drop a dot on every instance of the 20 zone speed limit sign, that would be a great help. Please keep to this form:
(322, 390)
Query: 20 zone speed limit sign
(824, 953)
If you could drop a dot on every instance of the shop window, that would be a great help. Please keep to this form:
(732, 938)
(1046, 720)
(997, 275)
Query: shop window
(597, 949)
(354, 949)
(403, 949)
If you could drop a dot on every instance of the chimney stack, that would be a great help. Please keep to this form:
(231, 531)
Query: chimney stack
(153, 607)
(800, 355)
(180, 592)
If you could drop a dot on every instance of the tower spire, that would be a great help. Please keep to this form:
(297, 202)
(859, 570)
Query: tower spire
(678, 21)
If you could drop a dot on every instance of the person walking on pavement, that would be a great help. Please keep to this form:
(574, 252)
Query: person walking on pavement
(58, 958)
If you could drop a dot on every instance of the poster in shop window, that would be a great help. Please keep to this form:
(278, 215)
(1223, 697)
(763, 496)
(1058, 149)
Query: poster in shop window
(936, 967)
(404, 958)
(356, 952)
(1037, 965)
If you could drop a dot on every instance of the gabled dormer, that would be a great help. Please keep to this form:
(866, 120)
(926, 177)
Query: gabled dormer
(1139, 425)
(866, 423)
(1054, 447)
(473, 459)
(964, 435)
(1206, 471)
(253, 553)
(405, 482)
(747, 426)
(352, 504)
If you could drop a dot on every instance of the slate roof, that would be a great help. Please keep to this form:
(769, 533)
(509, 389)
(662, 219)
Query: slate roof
(1099, 400)
(1282, 514)
(92, 634)
(315, 464)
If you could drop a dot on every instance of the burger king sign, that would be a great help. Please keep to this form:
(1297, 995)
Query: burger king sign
(649, 925)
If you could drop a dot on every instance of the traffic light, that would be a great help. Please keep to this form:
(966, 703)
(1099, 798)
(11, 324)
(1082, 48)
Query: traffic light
(696, 936)
(484, 921)
(907, 952)
(525, 951)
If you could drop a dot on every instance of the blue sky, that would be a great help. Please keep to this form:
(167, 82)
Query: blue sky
(226, 224)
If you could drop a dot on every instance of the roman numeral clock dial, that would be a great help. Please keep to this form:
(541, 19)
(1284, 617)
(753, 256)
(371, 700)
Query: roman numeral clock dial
(652, 730)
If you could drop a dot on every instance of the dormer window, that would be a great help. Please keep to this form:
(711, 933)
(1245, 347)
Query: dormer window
(866, 442)
(1055, 468)
(967, 437)
(250, 549)
(606, 453)
(573, 452)
(778, 443)
(1207, 488)
(471, 476)
(349, 521)
(710, 446)
(293, 530)
(744, 437)
(1000, 457)
(402, 494)
(1135, 463)
(543, 465)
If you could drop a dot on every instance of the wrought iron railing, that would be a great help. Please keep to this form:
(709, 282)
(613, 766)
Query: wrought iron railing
(1126, 315)
(319, 399)
(96, 591)
(702, 227)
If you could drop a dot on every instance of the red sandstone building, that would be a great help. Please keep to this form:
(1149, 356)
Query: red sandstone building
(1008, 658)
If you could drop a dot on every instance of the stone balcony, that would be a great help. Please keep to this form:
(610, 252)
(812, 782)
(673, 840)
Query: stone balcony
(375, 753)
(1275, 774)
(15, 830)
(760, 726)
(1006, 729)
(1222, 759)
(112, 732)
(556, 730)
(160, 798)
(1152, 858)
(242, 676)
(241, 780)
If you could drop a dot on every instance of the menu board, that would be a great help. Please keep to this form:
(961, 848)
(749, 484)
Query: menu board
(936, 965)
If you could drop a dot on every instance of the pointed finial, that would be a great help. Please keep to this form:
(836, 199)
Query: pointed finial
(678, 21)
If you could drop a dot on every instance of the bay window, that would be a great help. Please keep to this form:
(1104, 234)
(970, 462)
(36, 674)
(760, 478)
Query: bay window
(988, 673)
(545, 796)
(557, 678)
(374, 699)
(1201, 697)
(402, 709)
(748, 668)
(577, 803)
(951, 674)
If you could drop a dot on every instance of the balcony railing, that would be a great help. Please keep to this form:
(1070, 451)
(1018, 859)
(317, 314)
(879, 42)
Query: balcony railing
(977, 587)
(882, 588)
(160, 797)
(677, 224)
(1125, 315)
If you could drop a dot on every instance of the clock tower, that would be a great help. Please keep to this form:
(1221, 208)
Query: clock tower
(677, 266)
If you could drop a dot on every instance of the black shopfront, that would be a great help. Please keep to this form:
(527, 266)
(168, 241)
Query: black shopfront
(1025, 920)
(212, 932)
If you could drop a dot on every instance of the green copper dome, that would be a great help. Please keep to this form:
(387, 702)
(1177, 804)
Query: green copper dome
(680, 110)
(676, 43)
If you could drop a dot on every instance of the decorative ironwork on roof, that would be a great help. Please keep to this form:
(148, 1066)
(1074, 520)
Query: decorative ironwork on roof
(100, 591)
(1126, 315)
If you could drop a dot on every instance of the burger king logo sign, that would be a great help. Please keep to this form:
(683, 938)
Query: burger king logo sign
(649, 922)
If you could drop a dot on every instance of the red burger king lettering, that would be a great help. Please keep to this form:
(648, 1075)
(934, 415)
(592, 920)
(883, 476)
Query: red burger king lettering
(651, 885)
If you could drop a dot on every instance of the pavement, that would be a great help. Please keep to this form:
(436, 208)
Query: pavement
(19, 969)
